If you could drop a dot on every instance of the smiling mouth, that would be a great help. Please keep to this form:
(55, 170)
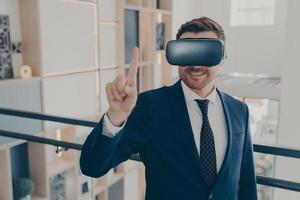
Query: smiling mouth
(196, 73)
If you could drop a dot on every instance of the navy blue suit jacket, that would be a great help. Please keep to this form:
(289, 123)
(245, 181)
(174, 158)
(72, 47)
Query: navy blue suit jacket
(159, 130)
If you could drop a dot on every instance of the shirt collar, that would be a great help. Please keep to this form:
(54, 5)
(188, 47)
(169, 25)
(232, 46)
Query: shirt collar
(190, 95)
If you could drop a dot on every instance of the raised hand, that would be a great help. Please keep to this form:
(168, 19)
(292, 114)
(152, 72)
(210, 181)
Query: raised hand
(122, 92)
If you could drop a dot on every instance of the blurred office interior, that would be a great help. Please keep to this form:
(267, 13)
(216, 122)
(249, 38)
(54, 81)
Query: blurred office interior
(56, 56)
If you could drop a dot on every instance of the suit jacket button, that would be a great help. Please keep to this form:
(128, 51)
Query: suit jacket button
(210, 196)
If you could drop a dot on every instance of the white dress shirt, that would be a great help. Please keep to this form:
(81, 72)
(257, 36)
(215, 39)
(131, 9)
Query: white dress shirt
(215, 115)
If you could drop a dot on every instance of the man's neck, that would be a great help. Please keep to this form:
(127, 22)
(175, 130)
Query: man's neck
(206, 90)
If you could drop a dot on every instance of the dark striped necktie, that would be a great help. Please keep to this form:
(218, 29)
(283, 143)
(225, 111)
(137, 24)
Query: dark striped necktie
(207, 145)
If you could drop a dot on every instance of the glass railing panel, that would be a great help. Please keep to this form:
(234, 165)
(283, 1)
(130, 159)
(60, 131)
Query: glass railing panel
(264, 119)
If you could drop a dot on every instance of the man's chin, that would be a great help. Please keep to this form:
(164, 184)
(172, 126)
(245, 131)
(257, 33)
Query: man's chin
(196, 85)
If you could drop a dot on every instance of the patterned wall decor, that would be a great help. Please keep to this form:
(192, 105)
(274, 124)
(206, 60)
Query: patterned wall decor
(84, 187)
(7, 48)
(57, 187)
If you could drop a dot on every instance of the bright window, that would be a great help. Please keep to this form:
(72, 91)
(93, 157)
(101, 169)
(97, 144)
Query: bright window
(252, 12)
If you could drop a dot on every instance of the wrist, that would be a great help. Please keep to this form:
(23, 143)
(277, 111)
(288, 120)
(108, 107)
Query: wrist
(116, 118)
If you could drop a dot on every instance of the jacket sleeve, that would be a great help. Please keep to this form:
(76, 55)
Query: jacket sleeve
(247, 189)
(101, 153)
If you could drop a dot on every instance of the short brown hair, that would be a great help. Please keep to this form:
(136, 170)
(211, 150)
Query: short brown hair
(201, 24)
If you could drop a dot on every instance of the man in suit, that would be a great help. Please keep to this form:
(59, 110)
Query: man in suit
(193, 139)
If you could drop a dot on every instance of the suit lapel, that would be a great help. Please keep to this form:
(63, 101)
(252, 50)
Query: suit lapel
(185, 132)
(226, 104)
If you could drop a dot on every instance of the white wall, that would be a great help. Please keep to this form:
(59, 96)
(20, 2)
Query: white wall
(68, 39)
(251, 49)
(290, 98)
(183, 11)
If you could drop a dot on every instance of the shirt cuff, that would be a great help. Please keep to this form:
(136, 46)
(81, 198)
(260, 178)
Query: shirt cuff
(109, 129)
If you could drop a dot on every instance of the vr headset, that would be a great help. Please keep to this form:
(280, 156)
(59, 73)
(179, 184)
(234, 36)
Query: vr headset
(195, 52)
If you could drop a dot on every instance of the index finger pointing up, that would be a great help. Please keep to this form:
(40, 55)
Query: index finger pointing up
(131, 78)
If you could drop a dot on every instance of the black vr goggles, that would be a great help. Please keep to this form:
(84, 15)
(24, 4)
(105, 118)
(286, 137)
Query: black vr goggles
(195, 52)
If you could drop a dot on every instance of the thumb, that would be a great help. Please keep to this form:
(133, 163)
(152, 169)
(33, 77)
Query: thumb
(130, 91)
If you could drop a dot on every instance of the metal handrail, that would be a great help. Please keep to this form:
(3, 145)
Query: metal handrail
(53, 142)
(39, 116)
(278, 183)
(42, 140)
(274, 150)
(277, 150)
(268, 181)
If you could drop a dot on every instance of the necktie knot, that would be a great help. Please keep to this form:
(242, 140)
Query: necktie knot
(203, 105)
